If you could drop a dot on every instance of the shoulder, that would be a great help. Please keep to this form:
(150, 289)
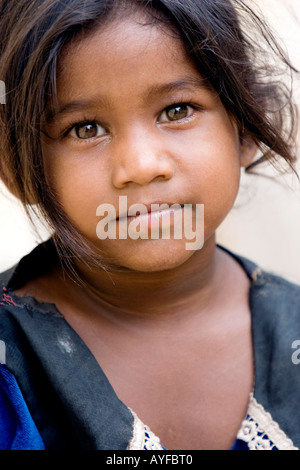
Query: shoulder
(40, 260)
(30, 268)
(18, 429)
(8, 310)
(270, 290)
(275, 310)
(6, 276)
(5, 298)
(275, 301)
(275, 320)
(4, 282)
(272, 297)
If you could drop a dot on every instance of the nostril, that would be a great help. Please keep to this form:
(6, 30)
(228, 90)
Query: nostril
(141, 171)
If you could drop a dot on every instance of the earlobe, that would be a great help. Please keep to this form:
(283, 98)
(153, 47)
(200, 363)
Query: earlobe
(248, 150)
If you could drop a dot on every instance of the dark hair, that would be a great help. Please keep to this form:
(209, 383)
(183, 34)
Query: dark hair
(227, 41)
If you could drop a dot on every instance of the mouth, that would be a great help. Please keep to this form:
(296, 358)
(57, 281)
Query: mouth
(152, 212)
(153, 221)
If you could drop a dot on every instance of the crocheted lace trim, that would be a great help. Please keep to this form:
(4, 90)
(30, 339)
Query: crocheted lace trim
(143, 438)
(261, 432)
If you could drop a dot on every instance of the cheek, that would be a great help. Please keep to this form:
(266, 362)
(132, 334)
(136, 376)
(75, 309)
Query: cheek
(79, 185)
(218, 190)
(212, 166)
(212, 162)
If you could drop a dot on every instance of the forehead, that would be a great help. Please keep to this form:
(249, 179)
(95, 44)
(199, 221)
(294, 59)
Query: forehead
(127, 51)
(128, 34)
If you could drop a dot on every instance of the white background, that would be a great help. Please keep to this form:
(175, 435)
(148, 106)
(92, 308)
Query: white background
(265, 223)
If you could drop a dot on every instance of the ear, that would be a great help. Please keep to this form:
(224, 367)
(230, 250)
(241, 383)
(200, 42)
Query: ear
(248, 150)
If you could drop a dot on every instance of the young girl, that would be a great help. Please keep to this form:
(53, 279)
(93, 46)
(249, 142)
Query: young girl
(136, 341)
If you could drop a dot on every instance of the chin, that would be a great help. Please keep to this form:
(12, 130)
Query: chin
(155, 259)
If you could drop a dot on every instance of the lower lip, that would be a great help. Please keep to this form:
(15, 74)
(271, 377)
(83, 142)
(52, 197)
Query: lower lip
(154, 219)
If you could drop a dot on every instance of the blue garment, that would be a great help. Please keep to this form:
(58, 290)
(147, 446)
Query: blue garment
(17, 429)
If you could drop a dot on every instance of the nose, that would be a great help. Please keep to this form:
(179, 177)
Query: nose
(140, 157)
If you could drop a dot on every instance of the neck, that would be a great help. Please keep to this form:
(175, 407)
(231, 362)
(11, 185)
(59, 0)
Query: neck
(193, 285)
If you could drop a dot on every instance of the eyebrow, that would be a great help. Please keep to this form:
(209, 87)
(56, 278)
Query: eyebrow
(73, 106)
(186, 83)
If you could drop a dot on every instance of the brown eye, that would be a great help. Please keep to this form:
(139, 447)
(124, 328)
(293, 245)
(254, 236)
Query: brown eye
(179, 112)
(87, 130)
(176, 113)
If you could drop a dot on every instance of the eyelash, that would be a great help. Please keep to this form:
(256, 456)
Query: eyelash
(71, 125)
(85, 121)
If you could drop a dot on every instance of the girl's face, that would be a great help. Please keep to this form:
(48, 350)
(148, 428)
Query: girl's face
(136, 119)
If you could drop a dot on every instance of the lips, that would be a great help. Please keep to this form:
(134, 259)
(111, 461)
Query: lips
(155, 219)
(152, 210)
